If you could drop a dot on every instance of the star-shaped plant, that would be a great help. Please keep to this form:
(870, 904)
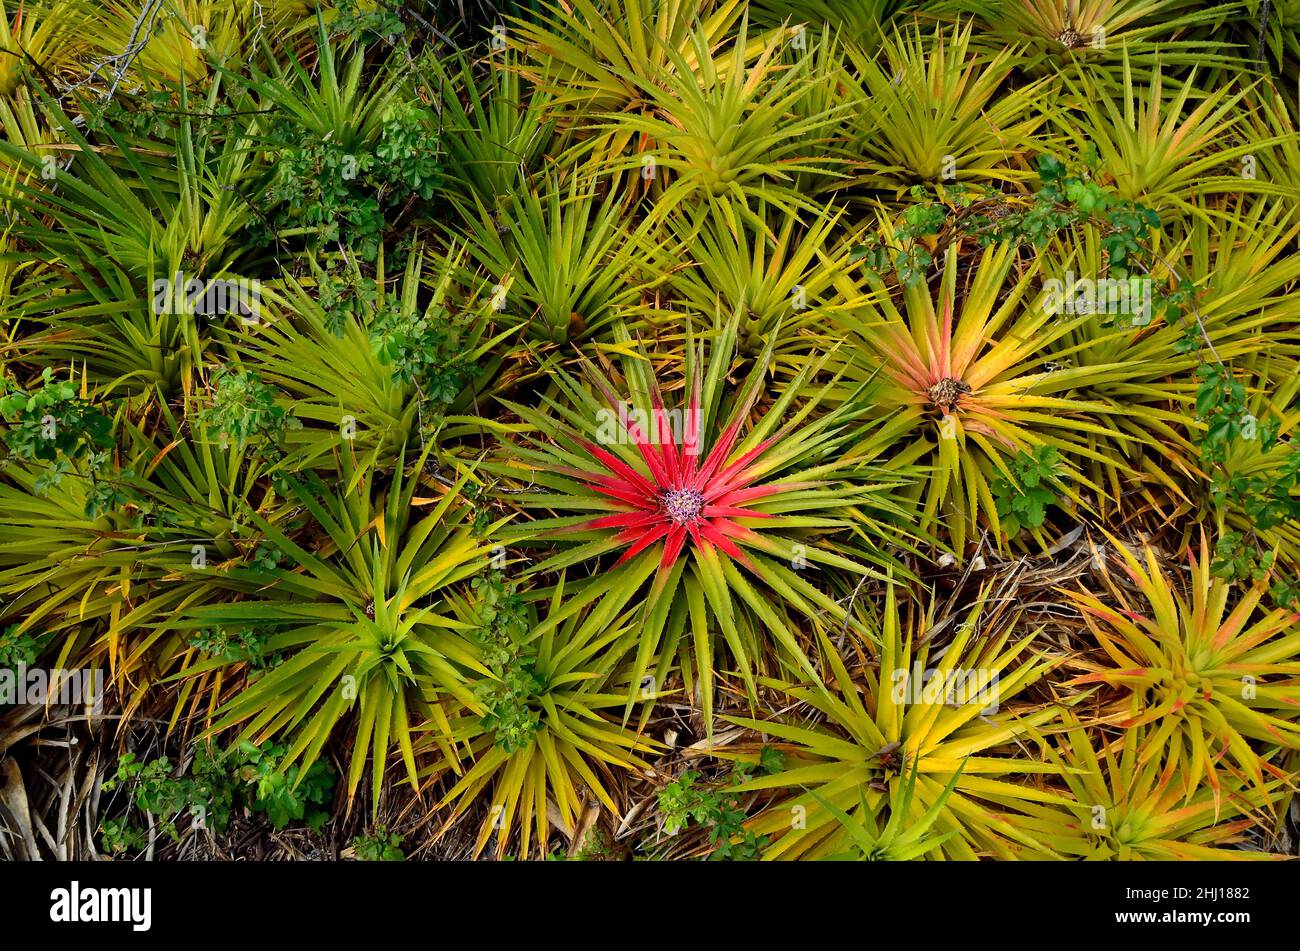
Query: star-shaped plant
(940, 729)
(681, 499)
(1128, 806)
(725, 520)
(1209, 674)
(961, 374)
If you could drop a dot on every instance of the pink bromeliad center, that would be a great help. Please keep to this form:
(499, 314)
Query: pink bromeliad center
(683, 505)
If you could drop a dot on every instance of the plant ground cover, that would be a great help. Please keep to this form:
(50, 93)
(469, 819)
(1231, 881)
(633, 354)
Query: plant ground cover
(650, 429)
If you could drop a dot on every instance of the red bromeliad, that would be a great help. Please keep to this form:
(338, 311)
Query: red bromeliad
(681, 498)
(723, 489)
